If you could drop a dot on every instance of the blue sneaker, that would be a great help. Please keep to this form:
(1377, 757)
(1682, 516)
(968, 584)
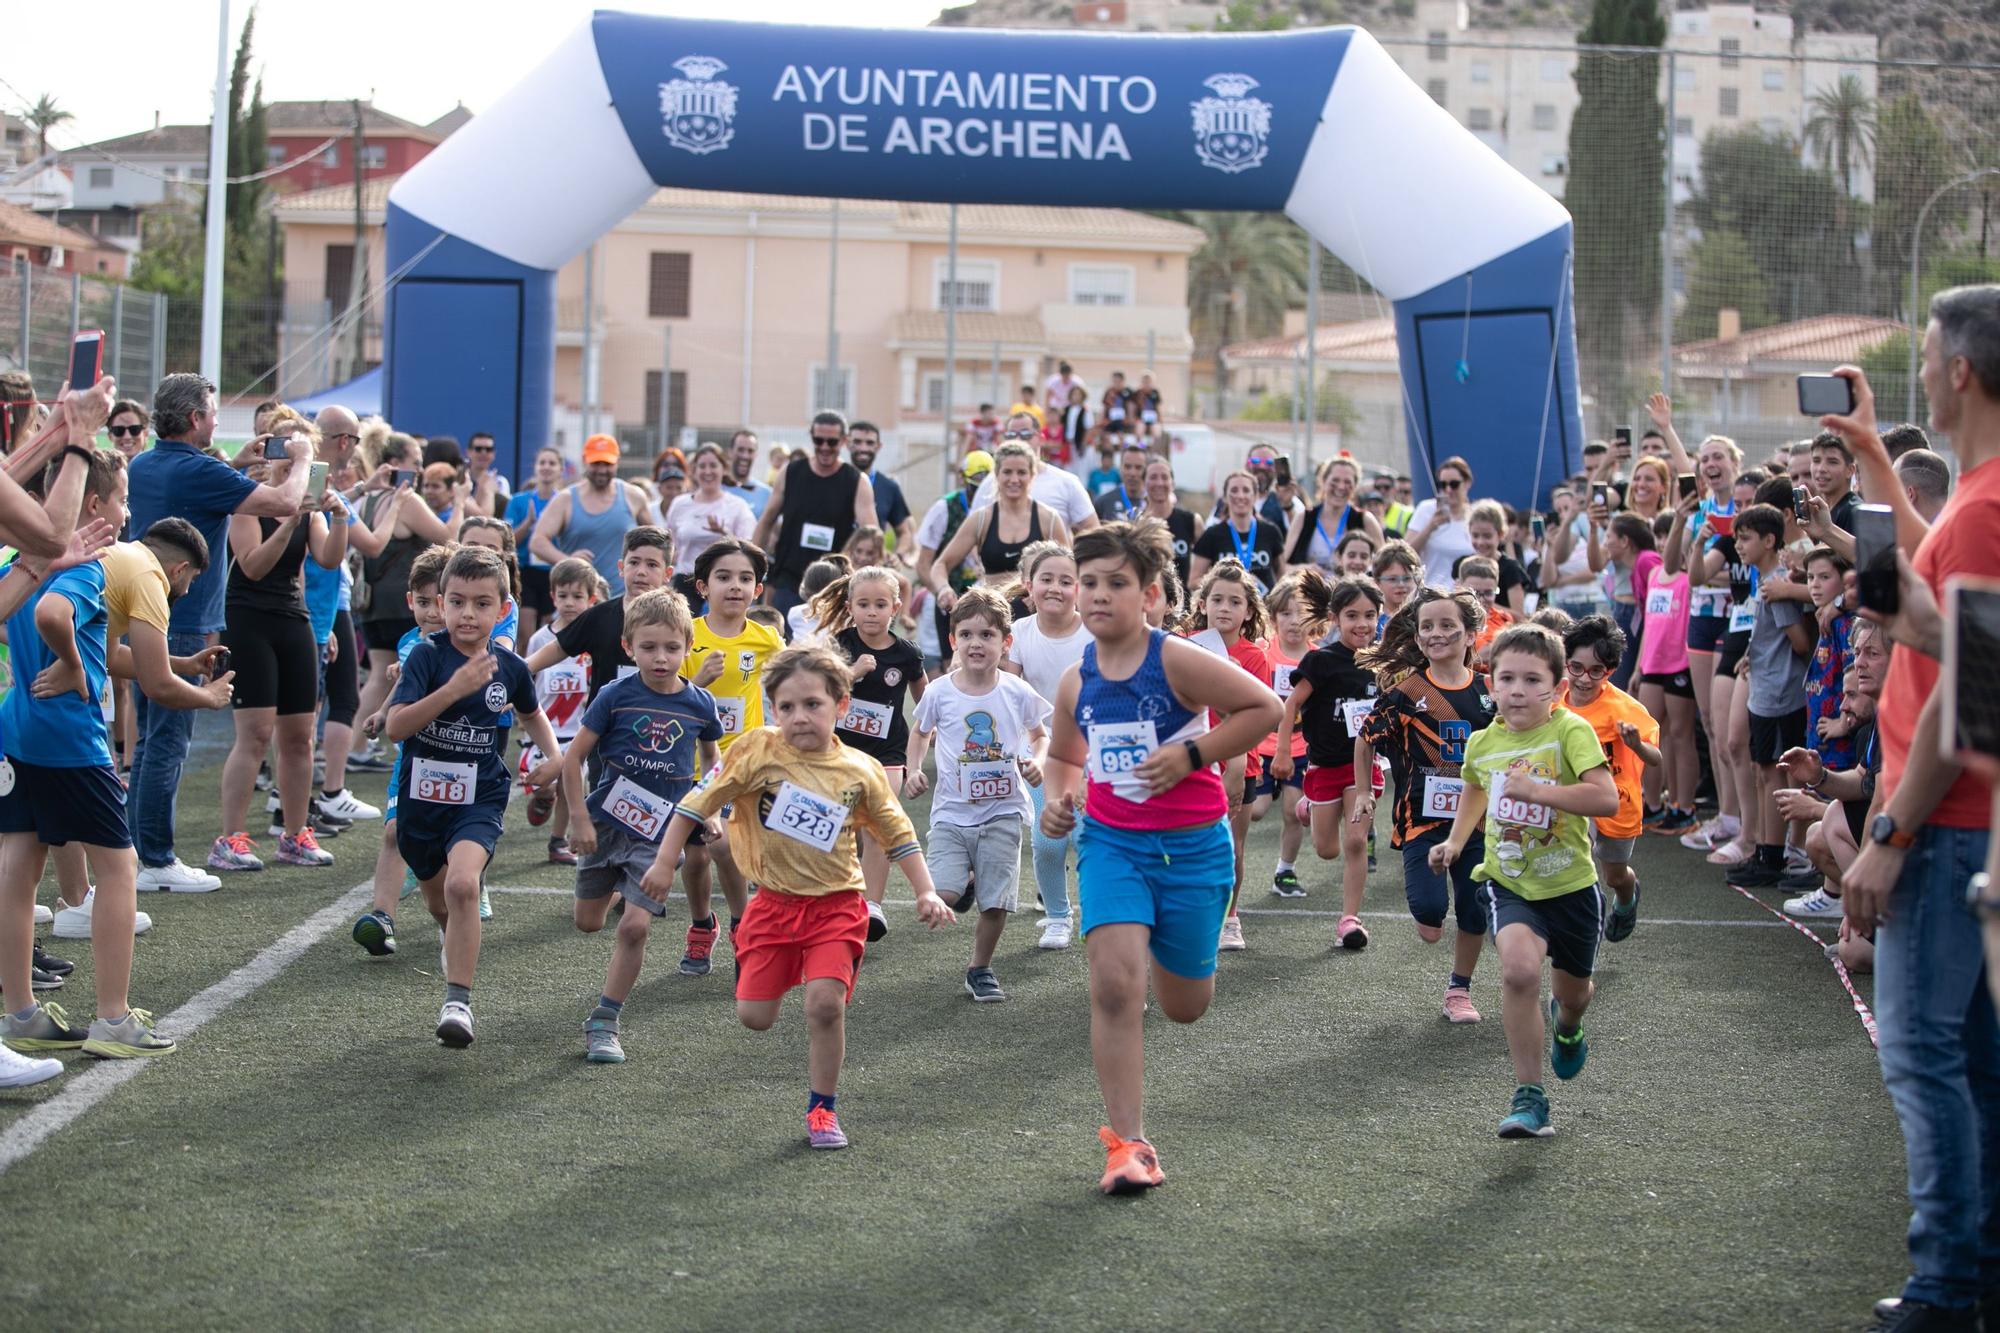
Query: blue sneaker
(600, 1039)
(1529, 1118)
(376, 933)
(1566, 1054)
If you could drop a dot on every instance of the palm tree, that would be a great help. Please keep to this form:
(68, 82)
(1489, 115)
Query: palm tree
(1250, 269)
(45, 116)
(1842, 128)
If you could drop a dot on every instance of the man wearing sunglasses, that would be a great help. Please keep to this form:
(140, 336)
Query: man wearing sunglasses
(817, 504)
(1056, 487)
(490, 490)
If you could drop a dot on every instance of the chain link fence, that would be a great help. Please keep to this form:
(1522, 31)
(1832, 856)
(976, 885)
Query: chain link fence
(42, 310)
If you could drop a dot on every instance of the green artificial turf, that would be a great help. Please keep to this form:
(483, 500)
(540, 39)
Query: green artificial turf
(313, 1159)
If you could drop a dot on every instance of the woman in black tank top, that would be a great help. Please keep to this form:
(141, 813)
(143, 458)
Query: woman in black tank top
(1013, 510)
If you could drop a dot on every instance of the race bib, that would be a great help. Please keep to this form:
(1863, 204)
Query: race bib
(806, 817)
(1116, 749)
(1660, 602)
(441, 783)
(627, 670)
(865, 719)
(1149, 416)
(1114, 413)
(1514, 810)
(1743, 616)
(1281, 680)
(816, 537)
(1441, 796)
(107, 703)
(988, 781)
(731, 713)
(1709, 601)
(1356, 712)
(644, 812)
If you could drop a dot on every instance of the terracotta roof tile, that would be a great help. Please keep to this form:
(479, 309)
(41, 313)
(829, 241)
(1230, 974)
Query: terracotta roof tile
(1821, 340)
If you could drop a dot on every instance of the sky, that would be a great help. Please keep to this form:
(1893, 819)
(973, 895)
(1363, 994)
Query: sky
(417, 58)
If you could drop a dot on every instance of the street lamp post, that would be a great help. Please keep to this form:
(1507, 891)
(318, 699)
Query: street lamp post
(1916, 253)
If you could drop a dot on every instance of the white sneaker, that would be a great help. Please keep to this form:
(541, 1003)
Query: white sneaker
(454, 1027)
(1232, 935)
(73, 923)
(347, 806)
(18, 1071)
(176, 876)
(1055, 933)
(43, 915)
(1711, 835)
(1818, 905)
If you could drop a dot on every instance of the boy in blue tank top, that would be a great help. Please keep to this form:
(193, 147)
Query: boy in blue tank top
(1155, 864)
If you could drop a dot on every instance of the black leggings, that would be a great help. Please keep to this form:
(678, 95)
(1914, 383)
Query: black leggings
(343, 675)
(275, 659)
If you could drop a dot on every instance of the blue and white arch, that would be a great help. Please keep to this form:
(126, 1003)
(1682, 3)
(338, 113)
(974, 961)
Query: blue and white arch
(1321, 124)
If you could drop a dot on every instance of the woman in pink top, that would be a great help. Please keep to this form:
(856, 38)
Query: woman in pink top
(707, 513)
(1666, 690)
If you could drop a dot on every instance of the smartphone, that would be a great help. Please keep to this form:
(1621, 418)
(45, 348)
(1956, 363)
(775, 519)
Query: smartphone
(1824, 395)
(1875, 558)
(274, 448)
(1537, 527)
(1801, 503)
(1685, 481)
(1623, 434)
(221, 663)
(1601, 495)
(86, 360)
(316, 482)
(1966, 691)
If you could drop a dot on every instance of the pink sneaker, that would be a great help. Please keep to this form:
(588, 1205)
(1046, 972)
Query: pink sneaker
(823, 1129)
(1458, 1005)
(1351, 934)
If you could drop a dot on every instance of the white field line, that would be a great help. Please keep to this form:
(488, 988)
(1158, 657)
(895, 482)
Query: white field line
(91, 1086)
(540, 891)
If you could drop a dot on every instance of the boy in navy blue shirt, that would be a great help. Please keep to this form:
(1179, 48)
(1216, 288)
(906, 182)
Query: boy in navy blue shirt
(654, 733)
(449, 712)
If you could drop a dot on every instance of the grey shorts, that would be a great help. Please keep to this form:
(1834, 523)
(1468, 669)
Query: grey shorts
(988, 854)
(619, 863)
(1611, 849)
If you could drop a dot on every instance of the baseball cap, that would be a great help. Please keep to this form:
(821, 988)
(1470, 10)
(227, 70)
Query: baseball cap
(600, 449)
(671, 471)
(977, 464)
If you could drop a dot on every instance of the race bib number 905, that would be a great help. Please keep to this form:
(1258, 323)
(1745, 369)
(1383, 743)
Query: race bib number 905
(988, 782)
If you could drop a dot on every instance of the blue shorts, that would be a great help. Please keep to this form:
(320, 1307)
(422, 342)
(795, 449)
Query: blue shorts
(1266, 785)
(1176, 883)
(425, 837)
(1430, 893)
(65, 805)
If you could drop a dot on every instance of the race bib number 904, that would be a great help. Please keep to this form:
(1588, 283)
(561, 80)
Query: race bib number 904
(639, 810)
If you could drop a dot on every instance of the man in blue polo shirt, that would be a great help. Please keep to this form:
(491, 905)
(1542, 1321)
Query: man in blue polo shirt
(892, 511)
(177, 478)
(742, 468)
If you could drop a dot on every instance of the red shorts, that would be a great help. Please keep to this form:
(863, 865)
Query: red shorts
(1323, 786)
(786, 940)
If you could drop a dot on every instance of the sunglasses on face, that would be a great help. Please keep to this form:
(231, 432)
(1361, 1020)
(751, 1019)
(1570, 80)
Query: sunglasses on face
(477, 448)
(821, 442)
(1449, 483)
(1582, 672)
(1017, 435)
(120, 432)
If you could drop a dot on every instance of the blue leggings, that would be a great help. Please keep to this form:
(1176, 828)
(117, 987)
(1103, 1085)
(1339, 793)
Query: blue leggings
(1051, 863)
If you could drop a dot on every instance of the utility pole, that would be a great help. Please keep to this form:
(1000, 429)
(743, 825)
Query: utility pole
(1667, 248)
(357, 278)
(828, 393)
(1312, 348)
(666, 386)
(590, 342)
(950, 344)
(218, 191)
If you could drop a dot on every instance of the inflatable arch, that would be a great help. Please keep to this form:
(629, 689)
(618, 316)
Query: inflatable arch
(1321, 124)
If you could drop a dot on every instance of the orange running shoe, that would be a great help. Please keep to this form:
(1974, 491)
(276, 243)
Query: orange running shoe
(1130, 1165)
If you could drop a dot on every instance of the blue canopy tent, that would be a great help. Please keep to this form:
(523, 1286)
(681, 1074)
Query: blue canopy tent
(361, 395)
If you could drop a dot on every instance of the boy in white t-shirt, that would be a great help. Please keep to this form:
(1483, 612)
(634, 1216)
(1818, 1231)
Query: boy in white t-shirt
(562, 690)
(991, 730)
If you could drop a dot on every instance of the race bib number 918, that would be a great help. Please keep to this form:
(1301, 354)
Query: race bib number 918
(442, 784)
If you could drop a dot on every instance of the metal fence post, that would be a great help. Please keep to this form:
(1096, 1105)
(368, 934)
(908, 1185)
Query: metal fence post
(1667, 247)
(25, 270)
(75, 306)
(114, 337)
(159, 340)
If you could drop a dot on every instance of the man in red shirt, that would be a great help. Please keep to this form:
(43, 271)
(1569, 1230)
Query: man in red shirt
(1940, 1041)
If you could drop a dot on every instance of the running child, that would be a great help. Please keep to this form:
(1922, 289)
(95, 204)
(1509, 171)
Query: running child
(1331, 694)
(1592, 649)
(726, 659)
(449, 705)
(1154, 860)
(1666, 691)
(1533, 781)
(1398, 571)
(797, 797)
(1045, 645)
(1355, 554)
(1228, 618)
(562, 690)
(989, 727)
(498, 535)
(1294, 625)
(375, 929)
(860, 612)
(653, 734)
(1432, 703)
(1480, 576)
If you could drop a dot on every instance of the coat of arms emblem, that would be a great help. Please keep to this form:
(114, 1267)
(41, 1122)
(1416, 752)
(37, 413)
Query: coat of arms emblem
(698, 109)
(1230, 129)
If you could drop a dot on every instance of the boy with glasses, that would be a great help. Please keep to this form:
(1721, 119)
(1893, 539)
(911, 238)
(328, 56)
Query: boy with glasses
(1593, 647)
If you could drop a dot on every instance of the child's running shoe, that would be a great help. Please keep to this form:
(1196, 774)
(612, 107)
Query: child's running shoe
(38, 980)
(600, 1039)
(560, 853)
(1458, 1005)
(1232, 936)
(1654, 815)
(130, 1037)
(49, 963)
(1055, 933)
(19, 1071)
(454, 1027)
(823, 1129)
(303, 849)
(1130, 1165)
(700, 944)
(1285, 884)
(1566, 1054)
(410, 884)
(1624, 917)
(1529, 1118)
(1675, 821)
(983, 986)
(878, 924)
(1351, 934)
(44, 914)
(46, 1029)
(376, 932)
(541, 802)
(485, 904)
(232, 851)
(1819, 905)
